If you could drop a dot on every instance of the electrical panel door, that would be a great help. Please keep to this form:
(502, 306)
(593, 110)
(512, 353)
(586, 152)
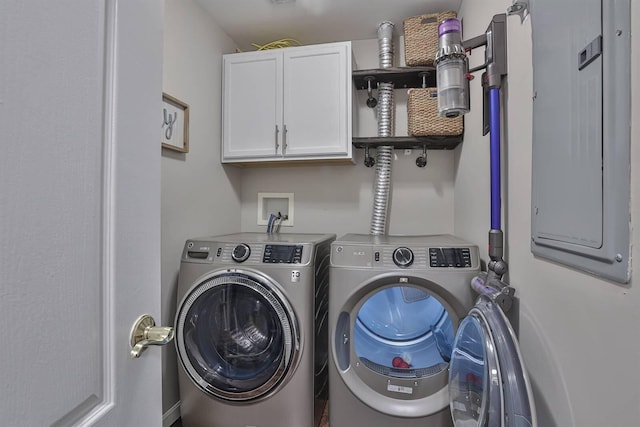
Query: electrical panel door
(580, 182)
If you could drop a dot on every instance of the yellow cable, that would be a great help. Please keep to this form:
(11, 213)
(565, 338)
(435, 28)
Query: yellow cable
(278, 44)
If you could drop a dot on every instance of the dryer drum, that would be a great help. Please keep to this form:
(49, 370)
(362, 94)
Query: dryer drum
(235, 337)
(403, 322)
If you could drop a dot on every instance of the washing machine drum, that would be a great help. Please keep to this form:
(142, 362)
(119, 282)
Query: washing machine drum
(236, 336)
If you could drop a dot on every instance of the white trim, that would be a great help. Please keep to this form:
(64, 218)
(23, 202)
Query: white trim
(108, 212)
(263, 214)
(172, 415)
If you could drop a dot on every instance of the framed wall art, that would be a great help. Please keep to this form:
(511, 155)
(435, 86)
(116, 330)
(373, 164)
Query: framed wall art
(175, 124)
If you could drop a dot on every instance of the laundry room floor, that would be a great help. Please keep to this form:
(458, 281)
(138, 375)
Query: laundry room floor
(324, 421)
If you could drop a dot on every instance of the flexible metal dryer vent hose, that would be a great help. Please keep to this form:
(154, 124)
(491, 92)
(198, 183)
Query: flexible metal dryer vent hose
(386, 121)
(385, 44)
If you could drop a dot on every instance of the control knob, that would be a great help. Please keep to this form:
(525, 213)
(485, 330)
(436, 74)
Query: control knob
(240, 253)
(403, 257)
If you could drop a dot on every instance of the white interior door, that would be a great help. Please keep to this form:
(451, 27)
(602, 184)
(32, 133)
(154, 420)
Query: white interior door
(80, 103)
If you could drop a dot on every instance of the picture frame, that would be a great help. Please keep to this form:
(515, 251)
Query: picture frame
(175, 124)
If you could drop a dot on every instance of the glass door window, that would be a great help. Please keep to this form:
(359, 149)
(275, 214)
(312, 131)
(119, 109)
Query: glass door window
(488, 384)
(469, 374)
(235, 337)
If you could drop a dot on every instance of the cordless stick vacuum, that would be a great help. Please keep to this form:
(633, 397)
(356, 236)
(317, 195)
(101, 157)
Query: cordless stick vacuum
(453, 75)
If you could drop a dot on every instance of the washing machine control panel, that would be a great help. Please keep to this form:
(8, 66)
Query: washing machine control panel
(282, 254)
(450, 257)
(241, 252)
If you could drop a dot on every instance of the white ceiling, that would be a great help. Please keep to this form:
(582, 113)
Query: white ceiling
(314, 21)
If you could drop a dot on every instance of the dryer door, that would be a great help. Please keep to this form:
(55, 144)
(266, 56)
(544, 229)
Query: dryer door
(392, 344)
(236, 336)
(488, 384)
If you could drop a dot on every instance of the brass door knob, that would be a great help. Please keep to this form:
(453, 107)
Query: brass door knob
(145, 333)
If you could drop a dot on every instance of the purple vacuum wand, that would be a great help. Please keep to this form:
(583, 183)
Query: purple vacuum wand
(495, 42)
(496, 239)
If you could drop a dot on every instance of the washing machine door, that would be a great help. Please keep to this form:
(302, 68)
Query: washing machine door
(488, 384)
(236, 335)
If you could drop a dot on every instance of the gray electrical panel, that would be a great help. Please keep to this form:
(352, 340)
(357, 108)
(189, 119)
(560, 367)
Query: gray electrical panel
(581, 134)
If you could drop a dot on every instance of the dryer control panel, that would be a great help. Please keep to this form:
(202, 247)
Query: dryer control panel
(440, 253)
(450, 257)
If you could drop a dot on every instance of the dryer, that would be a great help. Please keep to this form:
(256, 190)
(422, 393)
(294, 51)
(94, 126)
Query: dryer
(396, 303)
(251, 330)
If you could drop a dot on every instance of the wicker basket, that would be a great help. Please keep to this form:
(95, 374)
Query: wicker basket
(421, 38)
(423, 118)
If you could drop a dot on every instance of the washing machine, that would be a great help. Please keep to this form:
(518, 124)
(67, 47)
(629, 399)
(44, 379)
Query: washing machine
(251, 330)
(409, 347)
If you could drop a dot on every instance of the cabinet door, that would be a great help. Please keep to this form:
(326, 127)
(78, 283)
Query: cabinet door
(317, 101)
(252, 105)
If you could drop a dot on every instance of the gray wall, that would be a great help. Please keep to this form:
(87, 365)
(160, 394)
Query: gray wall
(198, 194)
(578, 334)
(339, 199)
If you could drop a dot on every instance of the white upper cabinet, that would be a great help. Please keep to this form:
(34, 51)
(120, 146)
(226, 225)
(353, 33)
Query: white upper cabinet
(291, 104)
(252, 105)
